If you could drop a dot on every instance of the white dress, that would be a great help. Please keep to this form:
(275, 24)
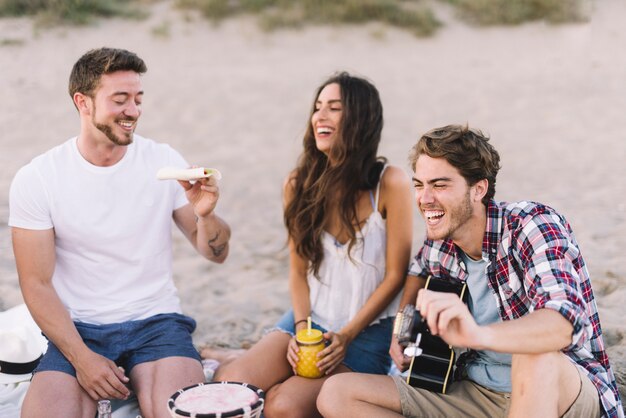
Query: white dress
(346, 283)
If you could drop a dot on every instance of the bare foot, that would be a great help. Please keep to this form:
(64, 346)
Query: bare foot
(221, 354)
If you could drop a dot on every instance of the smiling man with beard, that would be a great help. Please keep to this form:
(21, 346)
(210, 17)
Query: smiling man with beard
(91, 228)
(530, 327)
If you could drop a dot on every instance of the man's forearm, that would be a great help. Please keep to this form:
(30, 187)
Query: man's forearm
(212, 236)
(53, 319)
(541, 331)
(35, 275)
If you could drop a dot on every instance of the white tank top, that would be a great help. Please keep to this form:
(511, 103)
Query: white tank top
(345, 283)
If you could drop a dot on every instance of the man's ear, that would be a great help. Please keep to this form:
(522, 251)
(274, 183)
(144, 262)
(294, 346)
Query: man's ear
(480, 189)
(83, 103)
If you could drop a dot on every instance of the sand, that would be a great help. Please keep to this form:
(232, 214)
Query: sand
(235, 98)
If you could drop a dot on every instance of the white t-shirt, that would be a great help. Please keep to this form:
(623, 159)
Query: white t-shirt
(112, 228)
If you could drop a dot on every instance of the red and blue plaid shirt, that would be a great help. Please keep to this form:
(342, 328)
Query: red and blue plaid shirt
(534, 263)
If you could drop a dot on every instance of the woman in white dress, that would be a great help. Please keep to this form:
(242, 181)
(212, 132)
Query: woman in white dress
(349, 220)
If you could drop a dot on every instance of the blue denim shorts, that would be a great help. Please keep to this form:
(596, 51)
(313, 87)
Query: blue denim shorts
(368, 352)
(130, 343)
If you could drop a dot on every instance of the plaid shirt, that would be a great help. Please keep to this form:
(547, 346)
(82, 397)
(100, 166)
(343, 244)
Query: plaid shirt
(534, 262)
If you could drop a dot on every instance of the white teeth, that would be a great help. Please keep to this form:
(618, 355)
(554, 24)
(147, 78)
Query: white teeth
(433, 213)
(323, 130)
(126, 124)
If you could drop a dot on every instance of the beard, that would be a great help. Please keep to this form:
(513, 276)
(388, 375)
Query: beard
(107, 129)
(126, 139)
(458, 216)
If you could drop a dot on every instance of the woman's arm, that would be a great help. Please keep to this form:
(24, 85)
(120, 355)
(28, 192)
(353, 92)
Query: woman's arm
(298, 288)
(298, 285)
(396, 203)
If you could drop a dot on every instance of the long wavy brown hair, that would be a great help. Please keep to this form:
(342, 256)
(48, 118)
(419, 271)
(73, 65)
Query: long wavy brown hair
(355, 167)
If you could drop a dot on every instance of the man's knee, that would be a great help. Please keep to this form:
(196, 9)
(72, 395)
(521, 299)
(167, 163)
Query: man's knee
(539, 367)
(547, 381)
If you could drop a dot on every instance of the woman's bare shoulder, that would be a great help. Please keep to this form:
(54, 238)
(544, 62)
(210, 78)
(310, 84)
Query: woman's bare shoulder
(395, 177)
(289, 183)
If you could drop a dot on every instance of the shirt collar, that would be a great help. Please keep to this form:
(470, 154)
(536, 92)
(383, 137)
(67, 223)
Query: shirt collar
(493, 230)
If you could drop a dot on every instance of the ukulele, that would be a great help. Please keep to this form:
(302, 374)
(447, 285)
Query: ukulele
(432, 358)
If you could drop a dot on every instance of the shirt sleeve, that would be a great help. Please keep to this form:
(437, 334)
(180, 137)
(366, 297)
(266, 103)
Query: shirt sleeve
(28, 201)
(418, 264)
(551, 260)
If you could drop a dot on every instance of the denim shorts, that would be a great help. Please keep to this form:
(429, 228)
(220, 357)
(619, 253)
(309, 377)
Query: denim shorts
(368, 352)
(130, 343)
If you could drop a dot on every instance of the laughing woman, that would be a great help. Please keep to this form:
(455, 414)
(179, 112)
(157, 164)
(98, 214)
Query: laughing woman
(349, 220)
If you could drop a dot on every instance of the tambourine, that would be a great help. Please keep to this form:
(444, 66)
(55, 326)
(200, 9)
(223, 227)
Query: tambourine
(217, 400)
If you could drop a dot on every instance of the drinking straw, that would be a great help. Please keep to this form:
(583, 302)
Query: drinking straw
(308, 325)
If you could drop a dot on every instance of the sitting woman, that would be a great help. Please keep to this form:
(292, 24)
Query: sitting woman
(349, 222)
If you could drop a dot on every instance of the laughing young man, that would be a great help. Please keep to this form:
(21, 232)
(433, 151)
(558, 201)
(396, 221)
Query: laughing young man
(531, 325)
(91, 231)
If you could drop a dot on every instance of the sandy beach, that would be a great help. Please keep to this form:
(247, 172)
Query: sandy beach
(552, 98)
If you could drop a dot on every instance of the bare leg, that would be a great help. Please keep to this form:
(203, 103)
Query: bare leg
(296, 397)
(154, 382)
(543, 385)
(57, 394)
(264, 365)
(359, 395)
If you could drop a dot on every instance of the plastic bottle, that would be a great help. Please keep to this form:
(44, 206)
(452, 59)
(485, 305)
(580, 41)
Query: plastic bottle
(104, 408)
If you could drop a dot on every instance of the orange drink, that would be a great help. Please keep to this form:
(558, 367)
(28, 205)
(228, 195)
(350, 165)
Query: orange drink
(310, 342)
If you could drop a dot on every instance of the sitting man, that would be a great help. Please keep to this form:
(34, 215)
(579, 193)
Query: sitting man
(532, 331)
(91, 229)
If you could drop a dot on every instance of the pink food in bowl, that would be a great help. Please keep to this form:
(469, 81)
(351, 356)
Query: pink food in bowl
(212, 399)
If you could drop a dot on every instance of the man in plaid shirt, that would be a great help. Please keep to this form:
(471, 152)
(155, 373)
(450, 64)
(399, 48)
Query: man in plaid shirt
(531, 325)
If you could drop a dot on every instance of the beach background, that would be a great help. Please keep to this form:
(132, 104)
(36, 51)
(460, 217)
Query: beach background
(235, 97)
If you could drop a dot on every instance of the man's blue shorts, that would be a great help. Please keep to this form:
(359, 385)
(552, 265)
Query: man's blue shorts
(367, 353)
(130, 343)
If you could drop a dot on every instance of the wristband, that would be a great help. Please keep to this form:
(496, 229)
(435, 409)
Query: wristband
(297, 322)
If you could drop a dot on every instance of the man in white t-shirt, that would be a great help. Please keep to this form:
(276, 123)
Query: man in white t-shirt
(91, 229)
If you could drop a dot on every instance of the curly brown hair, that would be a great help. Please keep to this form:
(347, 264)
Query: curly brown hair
(468, 150)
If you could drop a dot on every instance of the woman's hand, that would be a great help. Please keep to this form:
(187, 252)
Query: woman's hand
(334, 353)
(292, 353)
